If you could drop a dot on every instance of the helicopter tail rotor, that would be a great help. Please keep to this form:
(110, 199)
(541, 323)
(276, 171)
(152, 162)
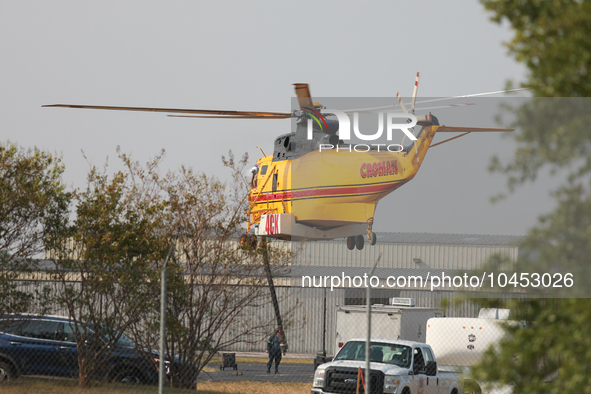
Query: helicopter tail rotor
(414, 94)
(412, 107)
(401, 102)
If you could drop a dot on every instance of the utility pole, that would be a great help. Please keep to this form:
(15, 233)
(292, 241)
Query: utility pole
(162, 355)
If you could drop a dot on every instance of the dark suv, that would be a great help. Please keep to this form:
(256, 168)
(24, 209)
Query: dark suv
(45, 345)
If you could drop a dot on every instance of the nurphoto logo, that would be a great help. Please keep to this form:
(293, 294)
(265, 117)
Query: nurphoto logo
(409, 121)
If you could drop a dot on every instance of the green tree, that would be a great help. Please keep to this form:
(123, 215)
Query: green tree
(108, 266)
(216, 291)
(551, 350)
(552, 40)
(104, 262)
(33, 205)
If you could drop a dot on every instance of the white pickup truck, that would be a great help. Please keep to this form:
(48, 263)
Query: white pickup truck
(397, 367)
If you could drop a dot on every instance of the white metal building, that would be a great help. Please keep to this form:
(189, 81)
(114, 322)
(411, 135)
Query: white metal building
(406, 254)
(309, 307)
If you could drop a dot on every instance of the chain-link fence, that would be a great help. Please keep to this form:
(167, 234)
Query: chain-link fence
(55, 346)
(326, 335)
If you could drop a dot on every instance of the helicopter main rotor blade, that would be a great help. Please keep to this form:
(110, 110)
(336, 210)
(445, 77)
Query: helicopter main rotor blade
(401, 103)
(471, 95)
(304, 97)
(454, 129)
(286, 116)
(176, 110)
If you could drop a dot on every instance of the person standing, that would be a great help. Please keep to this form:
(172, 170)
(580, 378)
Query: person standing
(274, 350)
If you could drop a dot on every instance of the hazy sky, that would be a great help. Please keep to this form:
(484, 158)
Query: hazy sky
(245, 55)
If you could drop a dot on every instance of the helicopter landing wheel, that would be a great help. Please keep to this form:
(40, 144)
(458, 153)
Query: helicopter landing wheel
(373, 238)
(350, 243)
(359, 241)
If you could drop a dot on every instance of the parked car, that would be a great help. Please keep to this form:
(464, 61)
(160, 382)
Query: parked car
(45, 345)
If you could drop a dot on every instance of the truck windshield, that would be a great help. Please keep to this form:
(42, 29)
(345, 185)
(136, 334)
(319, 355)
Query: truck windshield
(386, 353)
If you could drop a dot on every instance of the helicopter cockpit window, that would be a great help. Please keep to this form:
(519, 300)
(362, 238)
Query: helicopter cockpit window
(264, 169)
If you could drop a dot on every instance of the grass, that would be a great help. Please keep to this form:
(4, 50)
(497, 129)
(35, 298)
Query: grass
(253, 388)
(62, 386)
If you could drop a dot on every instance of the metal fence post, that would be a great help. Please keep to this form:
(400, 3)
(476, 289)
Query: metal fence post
(161, 356)
(368, 340)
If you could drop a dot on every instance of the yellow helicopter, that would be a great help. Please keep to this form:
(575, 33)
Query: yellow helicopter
(317, 186)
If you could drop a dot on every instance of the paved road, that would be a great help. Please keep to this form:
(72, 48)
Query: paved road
(257, 372)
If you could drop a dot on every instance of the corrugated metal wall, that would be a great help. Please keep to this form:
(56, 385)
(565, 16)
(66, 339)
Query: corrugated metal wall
(305, 329)
(302, 310)
(306, 334)
(451, 257)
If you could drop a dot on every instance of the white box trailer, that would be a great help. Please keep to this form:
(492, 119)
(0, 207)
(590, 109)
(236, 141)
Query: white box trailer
(393, 322)
(461, 341)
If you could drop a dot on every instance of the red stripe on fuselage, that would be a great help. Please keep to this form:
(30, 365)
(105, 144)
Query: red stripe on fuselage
(345, 191)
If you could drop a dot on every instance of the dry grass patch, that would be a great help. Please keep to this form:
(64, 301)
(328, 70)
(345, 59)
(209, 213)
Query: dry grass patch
(253, 388)
(69, 386)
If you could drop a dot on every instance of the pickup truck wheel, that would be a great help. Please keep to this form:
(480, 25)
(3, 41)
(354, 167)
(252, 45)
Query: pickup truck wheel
(6, 373)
